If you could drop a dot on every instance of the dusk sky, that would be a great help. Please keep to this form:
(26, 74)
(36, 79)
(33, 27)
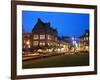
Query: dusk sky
(67, 24)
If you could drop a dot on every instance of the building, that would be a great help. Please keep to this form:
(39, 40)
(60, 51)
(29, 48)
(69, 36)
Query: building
(44, 38)
(84, 41)
(74, 45)
(66, 39)
(26, 43)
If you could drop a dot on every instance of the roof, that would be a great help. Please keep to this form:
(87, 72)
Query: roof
(45, 26)
(84, 34)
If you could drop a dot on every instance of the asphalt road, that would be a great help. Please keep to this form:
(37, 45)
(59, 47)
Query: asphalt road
(58, 61)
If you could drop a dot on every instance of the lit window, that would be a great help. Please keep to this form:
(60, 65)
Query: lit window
(49, 37)
(86, 38)
(42, 36)
(35, 37)
(28, 42)
(28, 46)
(49, 44)
(42, 43)
(35, 43)
(61, 44)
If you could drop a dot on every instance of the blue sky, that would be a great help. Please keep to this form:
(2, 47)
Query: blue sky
(67, 24)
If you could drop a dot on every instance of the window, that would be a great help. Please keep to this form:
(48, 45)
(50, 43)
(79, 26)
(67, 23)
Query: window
(35, 43)
(28, 42)
(86, 38)
(42, 36)
(42, 43)
(35, 37)
(61, 45)
(49, 44)
(28, 46)
(49, 37)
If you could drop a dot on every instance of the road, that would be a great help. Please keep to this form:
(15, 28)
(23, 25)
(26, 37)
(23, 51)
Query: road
(58, 61)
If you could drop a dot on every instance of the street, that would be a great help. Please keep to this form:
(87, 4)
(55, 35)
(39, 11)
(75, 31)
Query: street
(64, 60)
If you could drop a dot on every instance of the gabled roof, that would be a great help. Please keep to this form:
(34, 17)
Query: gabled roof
(45, 26)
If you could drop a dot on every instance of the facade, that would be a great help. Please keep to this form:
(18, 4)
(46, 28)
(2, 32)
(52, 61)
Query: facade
(84, 41)
(45, 38)
(67, 40)
(74, 45)
(26, 43)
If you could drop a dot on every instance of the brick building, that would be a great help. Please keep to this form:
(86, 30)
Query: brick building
(84, 41)
(45, 38)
